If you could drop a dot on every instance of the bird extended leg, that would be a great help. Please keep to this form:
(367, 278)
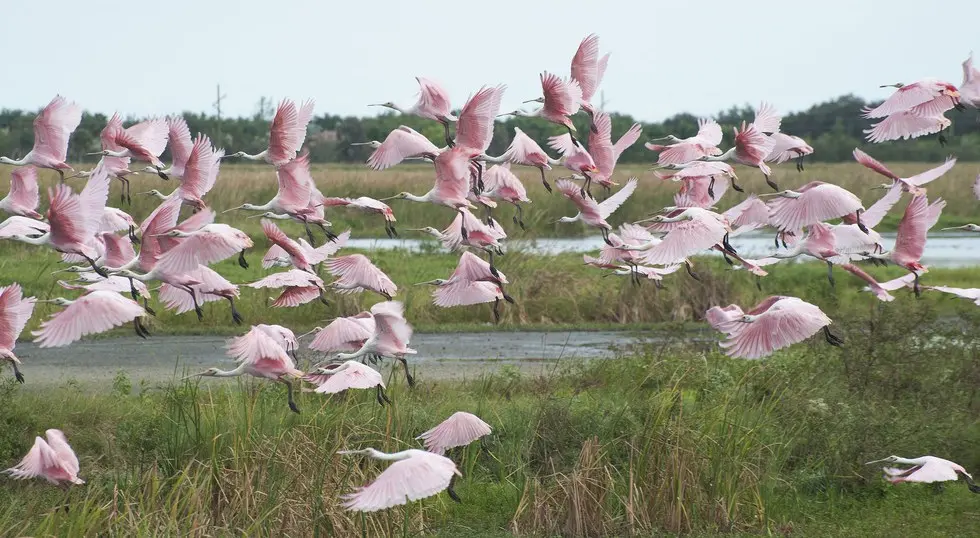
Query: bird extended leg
(587, 186)
(132, 236)
(544, 181)
(496, 310)
(146, 306)
(690, 271)
(572, 135)
(452, 493)
(771, 183)
(102, 272)
(711, 188)
(289, 395)
(727, 259)
(309, 233)
(122, 191)
(449, 138)
(861, 225)
(942, 138)
(197, 307)
(833, 340)
(728, 246)
(140, 331)
(235, 316)
(408, 375)
(162, 174)
(735, 186)
(969, 482)
(241, 259)
(17, 375)
(830, 275)
(519, 217)
(489, 216)
(330, 235)
(493, 270)
(382, 397)
(605, 236)
(775, 240)
(799, 163)
(915, 286)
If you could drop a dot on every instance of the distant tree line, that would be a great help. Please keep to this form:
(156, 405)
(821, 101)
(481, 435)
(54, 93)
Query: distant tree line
(834, 128)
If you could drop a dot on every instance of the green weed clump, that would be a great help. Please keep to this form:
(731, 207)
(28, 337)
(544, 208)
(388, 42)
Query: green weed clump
(670, 438)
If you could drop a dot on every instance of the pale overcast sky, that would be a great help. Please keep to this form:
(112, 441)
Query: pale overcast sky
(154, 58)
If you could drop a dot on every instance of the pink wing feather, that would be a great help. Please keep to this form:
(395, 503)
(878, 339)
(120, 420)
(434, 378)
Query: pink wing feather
(460, 429)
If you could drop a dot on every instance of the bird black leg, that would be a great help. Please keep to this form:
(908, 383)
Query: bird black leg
(391, 226)
(61, 175)
(132, 290)
(942, 138)
(330, 235)
(452, 493)
(736, 186)
(830, 275)
(146, 306)
(17, 375)
(324, 299)
(969, 482)
(462, 232)
(775, 240)
(587, 186)
(605, 236)
(496, 310)
(489, 216)
(799, 163)
(519, 217)
(162, 174)
(235, 316)
(727, 245)
(309, 233)
(449, 138)
(772, 184)
(241, 259)
(382, 397)
(690, 271)
(861, 226)
(493, 270)
(547, 186)
(389, 230)
(408, 375)
(915, 286)
(572, 135)
(102, 272)
(758, 283)
(711, 188)
(132, 236)
(122, 191)
(138, 328)
(197, 307)
(727, 259)
(289, 396)
(835, 341)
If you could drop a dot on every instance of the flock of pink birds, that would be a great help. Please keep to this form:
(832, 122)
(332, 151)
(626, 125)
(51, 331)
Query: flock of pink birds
(176, 252)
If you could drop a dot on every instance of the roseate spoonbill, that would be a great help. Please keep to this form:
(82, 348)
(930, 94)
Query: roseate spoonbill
(295, 190)
(970, 88)
(52, 129)
(117, 167)
(334, 378)
(588, 69)
(503, 185)
(296, 254)
(460, 429)
(200, 174)
(462, 293)
(144, 141)
(972, 294)
(286, 135)
(851, 242)
(966, 227)
(115, 284)
(819, 243)
(15, 312)
(752, 213)
(356, 273)
(689, 231)
(367, 205)
(92, 313)
(576, 158)
(786, 147)
(561, 100)
(925, 469)
(909, 184)
(914, 110)
(752, 146)
(277, 257)
(619, 251)
(343, 334)
(433, 104)
(523, 150)
(684, 150)
(24, 197)
(301, 287)
(51, 459)
(209, 244)
(814, 202)
(400, 144)
(595, 213)
(873, 286)
(74, 219)
(479, 236)
(390, 337)
(693, 175)
(910, 242)
(259, 355)
(181, 144)
(603, 151)
(22, 226)
(416, 474)
(773, 324)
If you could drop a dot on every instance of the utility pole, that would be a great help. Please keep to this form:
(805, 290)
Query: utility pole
(217, 108)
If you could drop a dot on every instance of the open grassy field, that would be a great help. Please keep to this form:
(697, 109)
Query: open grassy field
(670, 440)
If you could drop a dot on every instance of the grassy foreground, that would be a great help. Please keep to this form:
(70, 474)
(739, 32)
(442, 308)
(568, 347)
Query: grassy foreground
(669, 440)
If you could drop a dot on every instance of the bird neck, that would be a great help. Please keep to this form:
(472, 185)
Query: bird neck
(911, 461)
(39, 241)
(257, 157)
(570, 219)
(111, 153)
(414, 198)
(723, 157)
(387, 456)
(790, 194)
(351, 356)
(792, 253)
(8, 160)
(231, 373)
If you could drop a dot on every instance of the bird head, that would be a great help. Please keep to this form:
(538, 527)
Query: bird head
(210, 372)
(399, 196)
(374, 144)
(517, 112)
(153, 192)
(60, 301)
(535, 100)
(387, 104)
(148, 170)
(236, 154)
(104, 153)
(436, 282)
(428, 229)
(566, 219)
(889, 459)
(243, 206)
(746, 318)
